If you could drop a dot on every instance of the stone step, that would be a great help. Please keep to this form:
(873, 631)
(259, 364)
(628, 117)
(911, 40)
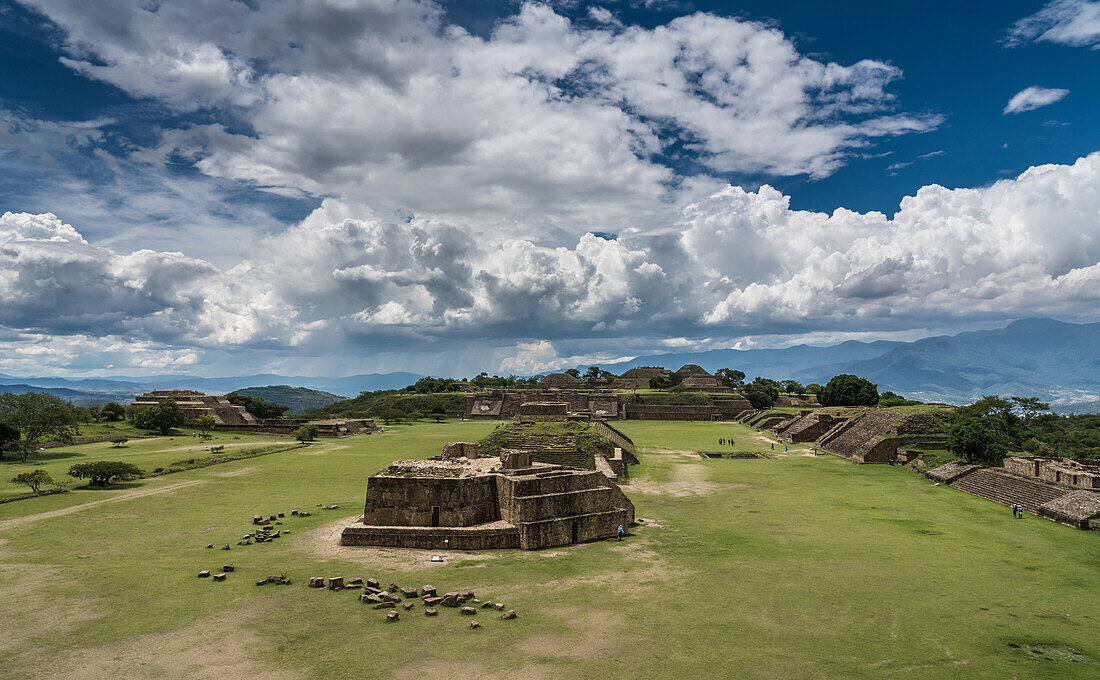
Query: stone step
(1002, 487)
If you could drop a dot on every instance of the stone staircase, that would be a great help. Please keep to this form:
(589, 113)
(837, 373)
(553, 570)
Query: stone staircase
(552, 450)
(840, 428)
(997, 485)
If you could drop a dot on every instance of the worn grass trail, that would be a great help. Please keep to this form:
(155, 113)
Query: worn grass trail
(792, 567)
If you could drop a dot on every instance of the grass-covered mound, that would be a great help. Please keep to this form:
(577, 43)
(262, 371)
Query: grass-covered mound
(566, 443)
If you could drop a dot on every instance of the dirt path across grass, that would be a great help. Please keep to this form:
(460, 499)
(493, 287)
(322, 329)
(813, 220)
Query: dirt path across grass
(232, 445)
(684, 479)
(122, 496)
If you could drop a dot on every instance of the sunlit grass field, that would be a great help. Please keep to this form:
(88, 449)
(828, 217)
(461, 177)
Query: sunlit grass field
(790, 567)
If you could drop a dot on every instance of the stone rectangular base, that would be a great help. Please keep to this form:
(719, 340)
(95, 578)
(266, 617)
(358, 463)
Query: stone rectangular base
(489, 537)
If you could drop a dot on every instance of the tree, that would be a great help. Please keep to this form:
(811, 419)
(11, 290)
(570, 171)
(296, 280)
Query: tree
(793, 387)
(257, 406)
(659, 382)
(592, 372)
(849, 390)
(1030, 407)
(996, 414)
(8, 435)
(306, 433)
(113, 410)
(205, 423)
(391, 415)
(888, 398)
(102, 472)
(814, 389)
(118, 441)
(730, 377)
(972, 441)
(162, 417)
(95, 411)
(34, 480)
(415, 416)
(35, 415)
(759, 396)
(438, 413)
(573, 372)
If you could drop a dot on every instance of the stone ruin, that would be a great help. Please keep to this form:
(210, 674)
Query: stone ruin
(478, 503)
(1081, 474)
(863, 435)
(195, 404)
(229, 416)
(1041, 486)
(594, 405)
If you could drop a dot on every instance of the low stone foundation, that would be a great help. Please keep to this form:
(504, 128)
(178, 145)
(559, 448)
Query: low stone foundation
(491, 536)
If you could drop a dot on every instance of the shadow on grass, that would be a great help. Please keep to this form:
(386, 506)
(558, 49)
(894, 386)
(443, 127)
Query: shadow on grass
(40, 456)
(110, 487)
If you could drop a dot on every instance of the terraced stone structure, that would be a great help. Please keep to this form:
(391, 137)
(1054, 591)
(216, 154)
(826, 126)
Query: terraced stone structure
(507, 404)
(874, 436)
(481, 504)
(195, 404)
(1075, 507)
(807, 426)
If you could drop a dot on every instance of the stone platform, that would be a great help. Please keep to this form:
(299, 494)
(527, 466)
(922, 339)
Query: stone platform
(478, 505)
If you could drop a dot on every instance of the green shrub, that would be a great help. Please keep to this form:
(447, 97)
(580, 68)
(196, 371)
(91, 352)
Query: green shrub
(35, 480)
(306, 433)
(103, 472)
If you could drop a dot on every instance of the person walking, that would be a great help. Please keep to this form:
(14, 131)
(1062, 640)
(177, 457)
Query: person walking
(621, 532)
(1014, 510)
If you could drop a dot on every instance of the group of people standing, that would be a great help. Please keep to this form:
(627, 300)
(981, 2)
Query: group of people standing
(1018, 511)
(723, 442)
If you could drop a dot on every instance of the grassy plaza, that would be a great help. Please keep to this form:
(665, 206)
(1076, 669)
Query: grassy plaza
(795, 566)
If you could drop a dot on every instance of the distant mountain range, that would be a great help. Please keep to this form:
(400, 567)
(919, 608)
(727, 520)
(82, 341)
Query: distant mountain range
(297, 399)
(1053, 360)
(1056, 361)
(123, 389)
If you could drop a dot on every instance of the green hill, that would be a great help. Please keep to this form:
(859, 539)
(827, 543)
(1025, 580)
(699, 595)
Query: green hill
(297, 399)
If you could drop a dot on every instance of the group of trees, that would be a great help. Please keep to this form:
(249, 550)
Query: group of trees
(99, 473)
(982, 432)
(257, 406)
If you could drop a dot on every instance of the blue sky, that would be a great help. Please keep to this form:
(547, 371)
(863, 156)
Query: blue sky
(222, 187)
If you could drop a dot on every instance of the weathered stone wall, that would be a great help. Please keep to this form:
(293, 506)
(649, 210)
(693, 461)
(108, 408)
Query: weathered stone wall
(1063, 471)
(531, 510)
(543, 408)
(731, 406)
(409, 501)
(452, 450)
(616, 436)
(506, 404)
(605, 407)
(427, 538)
(670, 412)
(510, 459)
(1026, 467)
